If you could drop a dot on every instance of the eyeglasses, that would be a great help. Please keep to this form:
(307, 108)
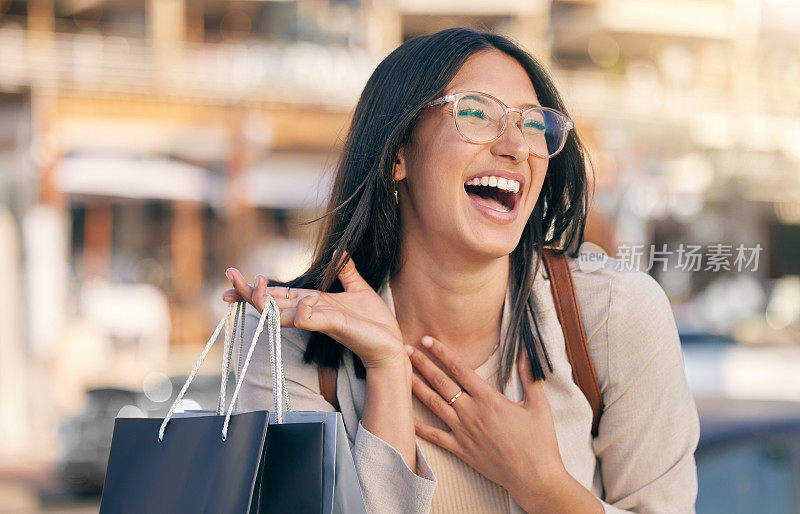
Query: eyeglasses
(482, 118)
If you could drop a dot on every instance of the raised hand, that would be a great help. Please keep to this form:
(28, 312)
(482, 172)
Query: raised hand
(511, 443)
(358, 317)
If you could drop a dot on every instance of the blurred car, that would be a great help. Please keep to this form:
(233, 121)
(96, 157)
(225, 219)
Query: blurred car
(748, 457)
(748, 401)
(85, 439)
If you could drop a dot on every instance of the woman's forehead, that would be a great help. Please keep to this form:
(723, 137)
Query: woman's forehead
(497, 74)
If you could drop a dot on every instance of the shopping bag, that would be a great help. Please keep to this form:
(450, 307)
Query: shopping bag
(248, 462)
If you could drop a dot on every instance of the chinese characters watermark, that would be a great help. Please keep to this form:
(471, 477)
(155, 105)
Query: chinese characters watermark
(687, 257)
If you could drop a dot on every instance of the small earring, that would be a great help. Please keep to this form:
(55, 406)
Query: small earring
(395, 194)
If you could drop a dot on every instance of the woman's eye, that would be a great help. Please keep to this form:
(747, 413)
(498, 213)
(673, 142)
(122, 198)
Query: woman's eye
(534, 126)
(475, 113)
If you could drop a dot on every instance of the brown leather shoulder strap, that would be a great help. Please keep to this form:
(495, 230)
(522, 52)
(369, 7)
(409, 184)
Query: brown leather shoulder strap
(327, 385)
(569, 315)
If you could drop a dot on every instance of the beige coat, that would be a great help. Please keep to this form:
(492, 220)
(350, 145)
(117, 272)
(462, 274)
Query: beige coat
(643, 457)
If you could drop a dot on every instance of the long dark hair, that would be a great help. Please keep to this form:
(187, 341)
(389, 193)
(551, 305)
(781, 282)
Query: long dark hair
(362, 218)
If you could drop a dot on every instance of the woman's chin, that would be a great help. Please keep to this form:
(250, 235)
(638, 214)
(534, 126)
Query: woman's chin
(493, 243)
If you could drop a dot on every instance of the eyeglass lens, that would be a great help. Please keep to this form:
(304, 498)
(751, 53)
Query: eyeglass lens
(480, 119)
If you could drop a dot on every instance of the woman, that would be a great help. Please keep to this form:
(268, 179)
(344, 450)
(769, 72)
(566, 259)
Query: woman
(459, 167)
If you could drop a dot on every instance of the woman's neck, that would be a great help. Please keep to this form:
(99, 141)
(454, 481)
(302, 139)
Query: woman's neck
(461, 307)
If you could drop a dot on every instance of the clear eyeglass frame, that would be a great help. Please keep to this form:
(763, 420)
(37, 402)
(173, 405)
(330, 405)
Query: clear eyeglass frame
(455, 97)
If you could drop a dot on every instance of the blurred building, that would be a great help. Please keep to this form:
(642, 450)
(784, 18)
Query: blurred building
(696, 109)
(148, 145)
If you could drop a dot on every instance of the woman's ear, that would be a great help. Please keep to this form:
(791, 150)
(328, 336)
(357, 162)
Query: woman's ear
(399, 171)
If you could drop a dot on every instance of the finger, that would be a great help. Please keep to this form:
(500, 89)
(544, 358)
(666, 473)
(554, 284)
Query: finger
(309, 315)
(244, 289)
(231, 295)
(349, 277)
(279, 292)
(304, 312)
(259, 296)
(444, 386)
(456, 368)
(525, 372)
(289, 316)
(437, 436)
(531, 388)
(258, 299)
(434, 401)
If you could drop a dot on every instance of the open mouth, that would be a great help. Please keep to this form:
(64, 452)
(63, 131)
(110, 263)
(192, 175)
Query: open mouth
(493, 197)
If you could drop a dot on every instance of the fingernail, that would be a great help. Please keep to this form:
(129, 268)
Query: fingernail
(409, 349)
(427, 341)
(229, 274)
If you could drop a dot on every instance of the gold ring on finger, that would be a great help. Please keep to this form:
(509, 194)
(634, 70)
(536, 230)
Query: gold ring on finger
(454, 398)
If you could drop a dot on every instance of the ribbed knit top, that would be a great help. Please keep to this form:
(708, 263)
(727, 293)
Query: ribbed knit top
(461, 489)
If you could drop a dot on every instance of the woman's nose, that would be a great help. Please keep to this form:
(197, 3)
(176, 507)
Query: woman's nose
(512, 141)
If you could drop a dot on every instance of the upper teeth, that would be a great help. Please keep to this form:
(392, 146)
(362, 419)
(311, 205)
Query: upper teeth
(502, 183)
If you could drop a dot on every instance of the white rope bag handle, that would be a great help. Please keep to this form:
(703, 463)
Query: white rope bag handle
(270, 313)
(226, 353)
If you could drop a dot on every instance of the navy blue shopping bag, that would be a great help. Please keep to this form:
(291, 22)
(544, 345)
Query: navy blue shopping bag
(250, 462)
(257, 468)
